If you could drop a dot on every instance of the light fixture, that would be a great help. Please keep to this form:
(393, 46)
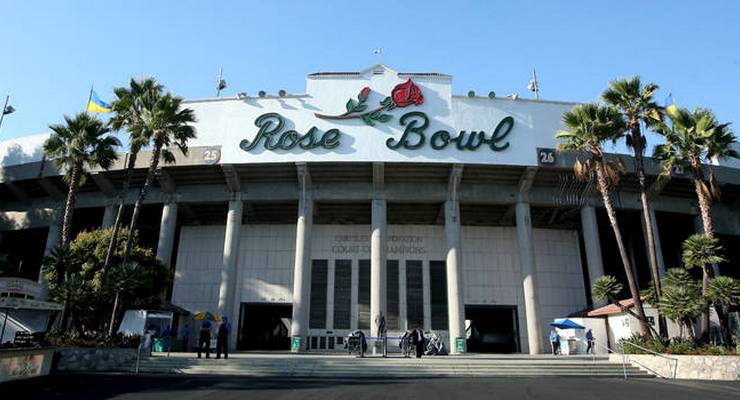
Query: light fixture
(281, 93)
(471, 93)
(491, 94)
(241, 95)
(513, 96)
(262, 93)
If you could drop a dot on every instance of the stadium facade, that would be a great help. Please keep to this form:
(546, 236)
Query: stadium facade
(374, 193)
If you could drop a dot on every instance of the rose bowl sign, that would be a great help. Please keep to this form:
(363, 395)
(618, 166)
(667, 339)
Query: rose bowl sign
(273, 135)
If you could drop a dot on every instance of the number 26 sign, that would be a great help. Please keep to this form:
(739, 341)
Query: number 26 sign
(546, 156)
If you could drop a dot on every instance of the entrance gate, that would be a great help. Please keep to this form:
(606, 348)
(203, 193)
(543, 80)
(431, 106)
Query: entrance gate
(264, 326)
(492, 329)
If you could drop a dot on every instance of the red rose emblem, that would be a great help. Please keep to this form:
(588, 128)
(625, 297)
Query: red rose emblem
(406, 94)
(365, 92)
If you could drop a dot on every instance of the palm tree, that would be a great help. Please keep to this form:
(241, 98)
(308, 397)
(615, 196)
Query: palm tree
(693, 138)
(701, 250)
(725, 293)
(167, 125)
(76, 146)
(636, 103)
(127, 109)
(590, 125)
(683, 304)
(151, 118)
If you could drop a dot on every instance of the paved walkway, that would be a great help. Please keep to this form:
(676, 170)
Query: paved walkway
(111, 386)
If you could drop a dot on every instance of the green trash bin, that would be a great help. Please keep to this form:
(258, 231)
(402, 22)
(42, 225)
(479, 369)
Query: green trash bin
(161, 344)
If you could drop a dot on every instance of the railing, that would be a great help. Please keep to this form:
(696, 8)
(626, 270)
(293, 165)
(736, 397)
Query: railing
(673, 368)
(608, 350)
(627, 360)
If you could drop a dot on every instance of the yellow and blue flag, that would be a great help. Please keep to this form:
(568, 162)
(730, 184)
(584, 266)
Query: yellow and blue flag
(670, 104)
(96, 105)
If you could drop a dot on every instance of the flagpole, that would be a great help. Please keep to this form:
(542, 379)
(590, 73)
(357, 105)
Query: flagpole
(2, 112)
(89, 97)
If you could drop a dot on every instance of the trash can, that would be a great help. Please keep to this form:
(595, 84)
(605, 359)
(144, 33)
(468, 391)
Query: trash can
(158, 345)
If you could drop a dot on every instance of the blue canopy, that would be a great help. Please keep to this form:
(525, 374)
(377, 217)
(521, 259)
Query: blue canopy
(566, 324)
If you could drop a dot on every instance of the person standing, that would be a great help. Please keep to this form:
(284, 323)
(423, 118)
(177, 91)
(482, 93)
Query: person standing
(222, 339)
(185, 333)
(554, 342)
(418, 339)
(590, 342)
(204, 339)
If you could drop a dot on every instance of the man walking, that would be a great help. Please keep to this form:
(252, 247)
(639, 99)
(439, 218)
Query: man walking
(590, 342)
(418, 340)
(204, 339)
(222, 340)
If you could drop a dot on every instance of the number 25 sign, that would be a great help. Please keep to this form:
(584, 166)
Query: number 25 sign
(546, 156)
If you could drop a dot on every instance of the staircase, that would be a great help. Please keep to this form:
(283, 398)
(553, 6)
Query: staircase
(346, 367)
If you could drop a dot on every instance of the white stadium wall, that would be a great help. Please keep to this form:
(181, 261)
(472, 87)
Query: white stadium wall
(490, 265)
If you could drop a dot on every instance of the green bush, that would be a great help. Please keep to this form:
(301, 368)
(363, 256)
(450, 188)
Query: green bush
(91, 339)
(681, 346)
(652, 344)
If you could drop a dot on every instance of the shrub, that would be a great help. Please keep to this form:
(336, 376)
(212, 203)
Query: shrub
(653, 344)
(681, 346)
(91, 339)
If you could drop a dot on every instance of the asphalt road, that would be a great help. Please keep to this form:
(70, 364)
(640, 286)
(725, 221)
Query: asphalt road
(109, 386)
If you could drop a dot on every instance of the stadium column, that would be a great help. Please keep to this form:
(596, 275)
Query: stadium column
(302, 268)
(592, 244)
(226, 291)
(52, 241)
(377, 256)
(167, 232)
(527, 266)
(109, 216)
(377, 267)
(455, 307)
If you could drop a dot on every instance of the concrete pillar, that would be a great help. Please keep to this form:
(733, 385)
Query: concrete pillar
(302, 272)
(658, 249)
(330, 279)
(109, 216)
(167, 232)
(426, 295)
(402, 320)
(592, 244)
(52, 241)
(377, 268)
(527, 266)
(230, 259)
(455, 307)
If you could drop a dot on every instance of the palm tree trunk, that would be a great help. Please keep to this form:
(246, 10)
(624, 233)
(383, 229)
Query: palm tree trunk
(119, 215)
(142, 194)
(604, 189)
(69, 207)
(705, 208)
(652, 253)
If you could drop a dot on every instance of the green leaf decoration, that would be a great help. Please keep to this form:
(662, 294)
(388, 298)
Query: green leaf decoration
(361, 98)
(360, 108)
(375, 114)
(386, 101)
(384, 118)
(367, 120)
(350, 105)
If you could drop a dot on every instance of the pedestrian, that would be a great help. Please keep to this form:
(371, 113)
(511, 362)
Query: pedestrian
(222, 339)
(554, 342)
(185, 333)
(418, 340)
(204, 339)
(590, 342)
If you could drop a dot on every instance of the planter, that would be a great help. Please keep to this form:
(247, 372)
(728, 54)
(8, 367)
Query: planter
(721, 368)
(94, 359)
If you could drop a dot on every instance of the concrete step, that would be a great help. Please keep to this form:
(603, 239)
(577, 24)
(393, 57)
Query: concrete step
(352, 368)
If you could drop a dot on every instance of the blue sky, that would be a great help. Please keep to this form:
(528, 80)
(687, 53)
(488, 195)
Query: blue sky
(51, 52)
